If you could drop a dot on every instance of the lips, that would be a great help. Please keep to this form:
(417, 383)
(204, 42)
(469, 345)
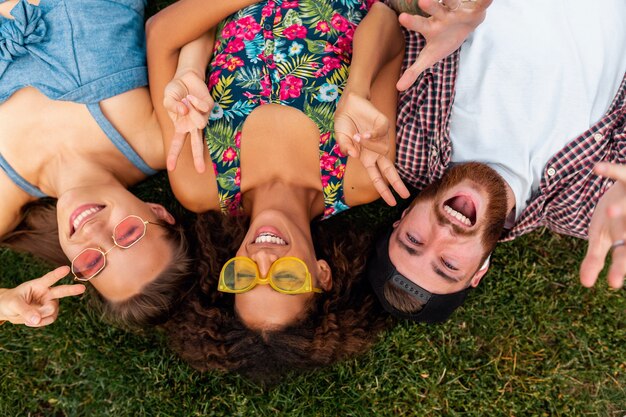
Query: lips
(461, 209)
(82, 214)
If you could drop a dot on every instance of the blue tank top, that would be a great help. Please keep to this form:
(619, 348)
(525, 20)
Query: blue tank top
(81, 51)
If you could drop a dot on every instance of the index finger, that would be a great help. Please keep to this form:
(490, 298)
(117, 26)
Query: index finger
(389, 171)
(54, 276)
(176, 146)
(63, 291)
(614, 171)
(380, 185)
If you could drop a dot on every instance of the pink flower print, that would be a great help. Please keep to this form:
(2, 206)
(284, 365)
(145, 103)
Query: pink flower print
(344, 46)
(324, 138)
(235, 45)
(325, 179)
(328, 211)
(295, 32)
(215, 168)
(268, 34)
(229, 30)
(266, 86)
(278, 17)
(238, 140)
(330, 63)
(248, 95)
(238, 176)
(234, 63)
(329, 47)
(290, 87)
(229, 154)
(249, 28)
(339, 22)
(214, 78)
(234, 206)
(338, 171)
(290, 4)
(323, 26)
(327, 162)
(268, 9)
(220, 60)
(350, 32)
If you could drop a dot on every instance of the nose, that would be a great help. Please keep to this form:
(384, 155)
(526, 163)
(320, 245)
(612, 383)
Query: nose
(264, 259)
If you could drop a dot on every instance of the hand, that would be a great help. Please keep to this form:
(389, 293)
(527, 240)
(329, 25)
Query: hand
(445, 30)
(608, 225)
(363, 132)
(34, 303)
(188, 103)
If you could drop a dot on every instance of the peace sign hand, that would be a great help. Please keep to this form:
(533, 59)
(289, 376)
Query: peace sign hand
(607, 231)
(35, 303)
(363, 132)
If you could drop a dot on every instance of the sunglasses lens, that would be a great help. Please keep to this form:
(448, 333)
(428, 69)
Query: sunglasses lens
(289, 274)
(88, 263)
(129, 231)
(239, 274)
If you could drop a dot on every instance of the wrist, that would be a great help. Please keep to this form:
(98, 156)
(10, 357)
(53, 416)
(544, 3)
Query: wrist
(180, 72)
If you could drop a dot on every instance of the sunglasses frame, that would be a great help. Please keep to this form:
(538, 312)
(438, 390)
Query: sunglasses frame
(307, 286)
(115, 245)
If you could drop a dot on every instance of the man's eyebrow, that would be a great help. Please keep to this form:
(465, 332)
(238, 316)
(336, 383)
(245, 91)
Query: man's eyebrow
(408, 249)
(444, 275)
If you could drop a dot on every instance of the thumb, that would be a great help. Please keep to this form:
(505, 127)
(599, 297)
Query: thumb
(28, 313)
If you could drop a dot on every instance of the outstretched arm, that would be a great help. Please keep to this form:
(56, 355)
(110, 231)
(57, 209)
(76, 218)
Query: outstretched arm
(365, 116)
(449, 24)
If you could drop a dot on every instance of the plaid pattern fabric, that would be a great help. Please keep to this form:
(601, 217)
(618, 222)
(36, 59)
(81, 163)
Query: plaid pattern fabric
(568, 192)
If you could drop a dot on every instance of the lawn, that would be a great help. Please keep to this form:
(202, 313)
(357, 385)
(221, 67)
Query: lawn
(529, 341)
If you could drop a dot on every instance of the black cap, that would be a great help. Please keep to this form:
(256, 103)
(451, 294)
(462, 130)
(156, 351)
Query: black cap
(437, 307)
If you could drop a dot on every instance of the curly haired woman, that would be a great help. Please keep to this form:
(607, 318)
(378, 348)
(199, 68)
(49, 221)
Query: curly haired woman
(276, 76)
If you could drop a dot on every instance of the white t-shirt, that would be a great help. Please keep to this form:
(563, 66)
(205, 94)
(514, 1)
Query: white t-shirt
(532, 77)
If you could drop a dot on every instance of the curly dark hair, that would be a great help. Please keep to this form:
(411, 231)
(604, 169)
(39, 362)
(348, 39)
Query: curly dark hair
(341, 323)
(37, 233)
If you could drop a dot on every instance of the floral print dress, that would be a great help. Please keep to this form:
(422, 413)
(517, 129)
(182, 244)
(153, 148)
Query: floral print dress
(294, 53)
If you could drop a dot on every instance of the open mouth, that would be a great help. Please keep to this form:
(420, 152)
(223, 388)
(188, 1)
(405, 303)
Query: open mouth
(268, 235)
(82, 214)
(461, 209)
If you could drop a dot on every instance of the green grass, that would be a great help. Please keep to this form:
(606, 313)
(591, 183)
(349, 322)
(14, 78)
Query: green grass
(530, 341)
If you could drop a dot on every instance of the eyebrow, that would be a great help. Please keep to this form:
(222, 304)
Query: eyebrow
(411, 251)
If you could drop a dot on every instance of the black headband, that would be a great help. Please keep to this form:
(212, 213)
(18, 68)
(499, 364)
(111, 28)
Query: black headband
(437, 307)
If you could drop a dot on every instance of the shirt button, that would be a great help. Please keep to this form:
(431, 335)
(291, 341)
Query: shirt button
(551, 171)
(598, 137)
(267, 26)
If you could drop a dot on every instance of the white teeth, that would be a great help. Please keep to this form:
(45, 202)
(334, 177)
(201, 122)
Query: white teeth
(84, 214)
(459, 216)
(269, 238)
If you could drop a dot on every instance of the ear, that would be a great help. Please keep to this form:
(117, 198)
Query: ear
(324, 275)
(397, 222)
(479, 274)
(162, 213)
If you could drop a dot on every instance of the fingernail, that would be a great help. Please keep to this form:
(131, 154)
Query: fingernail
(185, 101)
(34, 319)
(357, 137)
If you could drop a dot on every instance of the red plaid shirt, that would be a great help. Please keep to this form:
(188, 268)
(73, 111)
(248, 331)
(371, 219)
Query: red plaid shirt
(568, 192)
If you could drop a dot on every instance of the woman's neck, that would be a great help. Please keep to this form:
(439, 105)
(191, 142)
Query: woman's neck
(301, 203)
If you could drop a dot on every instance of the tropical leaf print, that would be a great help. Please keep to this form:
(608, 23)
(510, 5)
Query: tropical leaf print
(331, 191)
(322, 115)
(219, 136)
(227, 179)
(253, 48)
(241, 108)
(339, 76)
(291, 18)
(315, 11)
(301, 66)
(249, 78)
(221, 92)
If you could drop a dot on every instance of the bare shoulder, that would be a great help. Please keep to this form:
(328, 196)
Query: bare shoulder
(13, 199)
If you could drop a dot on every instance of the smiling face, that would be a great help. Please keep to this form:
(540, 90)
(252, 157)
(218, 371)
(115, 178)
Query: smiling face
(273, 235)
(443, 238)
(86, 219)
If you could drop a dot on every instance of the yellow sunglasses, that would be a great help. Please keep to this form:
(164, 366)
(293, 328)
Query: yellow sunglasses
(287, 275)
